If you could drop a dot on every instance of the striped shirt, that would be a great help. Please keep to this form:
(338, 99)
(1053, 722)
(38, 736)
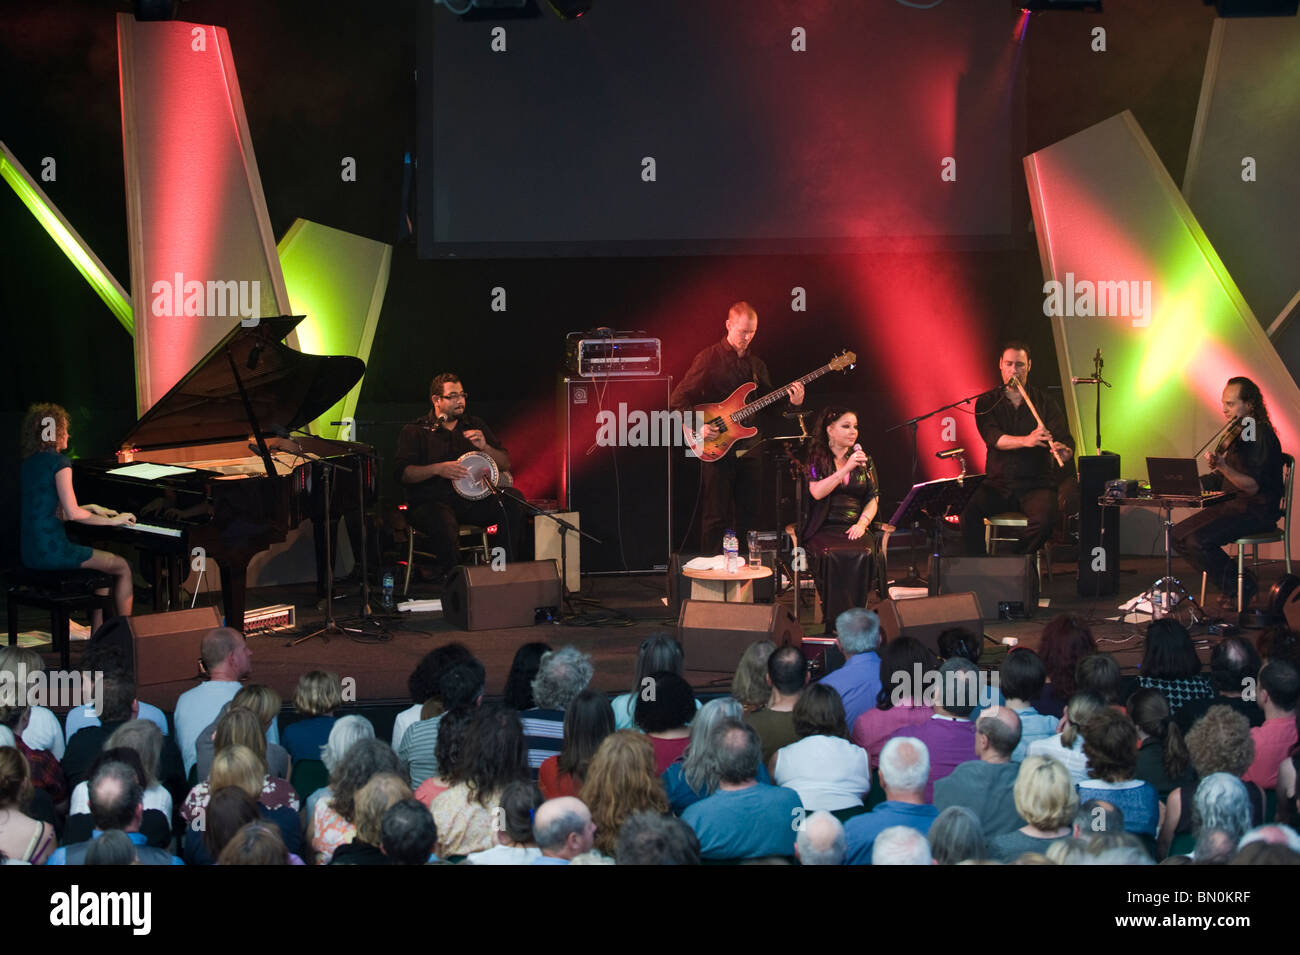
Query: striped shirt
(544, 734)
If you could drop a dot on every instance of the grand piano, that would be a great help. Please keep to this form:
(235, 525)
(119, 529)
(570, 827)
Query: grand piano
(214, 464)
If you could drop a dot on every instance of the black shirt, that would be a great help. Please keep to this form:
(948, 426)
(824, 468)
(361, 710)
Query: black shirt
(424, 441)
(1021, 468)
(1261, 460)
(715, 373)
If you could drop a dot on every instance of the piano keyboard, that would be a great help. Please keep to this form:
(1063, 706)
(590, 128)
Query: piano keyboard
(155, 529)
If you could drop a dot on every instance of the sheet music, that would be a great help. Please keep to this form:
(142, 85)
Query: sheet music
(149, 472)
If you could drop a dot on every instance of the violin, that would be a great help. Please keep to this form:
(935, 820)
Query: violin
(1230, 433)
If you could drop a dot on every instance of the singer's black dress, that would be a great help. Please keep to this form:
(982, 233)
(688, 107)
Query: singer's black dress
(844, 569)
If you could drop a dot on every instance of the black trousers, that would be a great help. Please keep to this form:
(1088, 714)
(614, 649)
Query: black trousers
(440, 522)
(844, 570)
(1037, 504)
(729, 495)
(1200, 539)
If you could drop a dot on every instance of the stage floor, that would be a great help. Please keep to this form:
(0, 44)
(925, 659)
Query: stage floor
(379, 664)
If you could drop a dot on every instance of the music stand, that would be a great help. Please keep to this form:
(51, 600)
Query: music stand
(932, 500)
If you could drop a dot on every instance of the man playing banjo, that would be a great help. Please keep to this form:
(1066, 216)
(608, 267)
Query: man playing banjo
(446, 458)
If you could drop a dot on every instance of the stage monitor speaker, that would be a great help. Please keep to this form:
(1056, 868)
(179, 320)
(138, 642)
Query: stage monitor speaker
(714, 635)
(616, 470)
(160, 647)
(481, 598)
(924, 618)
(1098, 527)
(995, 580)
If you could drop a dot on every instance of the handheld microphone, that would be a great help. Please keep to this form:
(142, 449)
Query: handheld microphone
(950, 453)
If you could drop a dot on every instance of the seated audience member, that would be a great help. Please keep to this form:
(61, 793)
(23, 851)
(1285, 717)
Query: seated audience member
(1098, 673)
(1271, 835)
(561, 676)
(787, 673)
(46, 773)
(1219, 742)
(373, 800)
(243, 767)
(408, 834)
(258, 843)
(229, 810)
(346, 731)
(318, 695)
(1066, 640)
(649, 838)
(749, 684)
(238, 725)
(587, 721)
(1279, 688)
(1096, 817)
(1234, 665)
(1110, 743)
(1266, 853)
(823, 767)
(1221, 815)
(462, 685)
(564, 830)
(821, 838)
(695, 775)
(117, 707)
(495, 755)
(514, 837)
(1170, 665)
(904, 774)
(423, 683)
(857, 631)
(518, 693)
(100, 657)
(116, 802)
(43, 732)
(1022, 678)
(1288, 805)
(1114, 848)
(985, 784)
(112, 848)
(452, 730)
(743, 819)
(1279, 643)
(1162, 754)
(138, 744)
(21, 837)
(622, 780)
(901, 845)
(1067, 746)
(960, 642)
(333, 822)
(659, 651)
(901, 702)
(957, 836)
(664, 714)
(949, 735)
(1046, 799)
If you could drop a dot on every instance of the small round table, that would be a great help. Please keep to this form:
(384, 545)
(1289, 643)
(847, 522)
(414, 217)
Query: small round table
(721, 586)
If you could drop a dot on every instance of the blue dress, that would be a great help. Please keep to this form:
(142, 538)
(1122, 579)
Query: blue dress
(44, 541)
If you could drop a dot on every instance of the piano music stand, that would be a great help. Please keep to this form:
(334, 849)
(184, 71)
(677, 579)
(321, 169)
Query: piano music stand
(932, 500)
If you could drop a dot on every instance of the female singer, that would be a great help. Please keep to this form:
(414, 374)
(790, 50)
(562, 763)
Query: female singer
(49, 500)
(842, 482)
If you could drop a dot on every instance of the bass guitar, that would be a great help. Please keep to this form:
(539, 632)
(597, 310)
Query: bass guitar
(729, 416)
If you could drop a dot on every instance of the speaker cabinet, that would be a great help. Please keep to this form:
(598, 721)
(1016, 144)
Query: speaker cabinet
(160, 647)
(481, 598)
(714, 635)
(616, 471)
(994, 580)
(1098, 527)
(924, 618)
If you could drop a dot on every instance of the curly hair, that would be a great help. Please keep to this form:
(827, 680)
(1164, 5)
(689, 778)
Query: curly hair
(562, 675)
(366, 758)
(448, 751)
(424, 679)
(495, 753)
(1247, 390)
(1220, 742)
(1066, 640)
(31, 438)
(621, 781)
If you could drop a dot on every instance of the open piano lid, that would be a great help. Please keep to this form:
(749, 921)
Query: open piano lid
(286, 389)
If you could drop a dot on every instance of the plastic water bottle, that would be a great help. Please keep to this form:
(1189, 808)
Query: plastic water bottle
(731, 547)
(387, 600)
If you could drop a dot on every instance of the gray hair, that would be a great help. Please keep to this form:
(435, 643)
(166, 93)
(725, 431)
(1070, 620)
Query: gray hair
(112, 848)
(905, 764)
(858, 630)
(700, 767)
(739, 751)
(957, 835)
(346, 731)
(146, 739)
(821, 839)
(900, 845)
(561, 675)
(1221, 802)
(1001, 737)
(554, 830)
(647, 838)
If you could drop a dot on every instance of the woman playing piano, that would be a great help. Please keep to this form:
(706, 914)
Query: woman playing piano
(843, 486)
(49, 500)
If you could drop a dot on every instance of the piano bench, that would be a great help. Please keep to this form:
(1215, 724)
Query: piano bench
(60, 592)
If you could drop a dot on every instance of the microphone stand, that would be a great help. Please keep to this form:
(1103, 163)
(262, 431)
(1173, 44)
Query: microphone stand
(1096, 379)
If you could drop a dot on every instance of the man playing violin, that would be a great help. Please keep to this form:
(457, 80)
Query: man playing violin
(1247, 463)
(1019, 469)
(428, 450)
